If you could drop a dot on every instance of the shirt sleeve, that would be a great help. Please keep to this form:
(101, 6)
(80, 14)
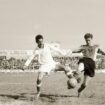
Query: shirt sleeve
(78, 50)
(58, 50)
(31, 57)
(100, 51)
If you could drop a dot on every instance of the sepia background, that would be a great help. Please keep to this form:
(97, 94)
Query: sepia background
(63, 23)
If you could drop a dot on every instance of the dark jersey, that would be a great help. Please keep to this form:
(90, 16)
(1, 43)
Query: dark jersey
(89, 51)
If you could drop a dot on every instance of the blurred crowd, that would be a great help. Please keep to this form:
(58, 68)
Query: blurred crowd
(13, 63)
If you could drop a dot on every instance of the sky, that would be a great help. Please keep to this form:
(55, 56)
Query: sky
(64, 21)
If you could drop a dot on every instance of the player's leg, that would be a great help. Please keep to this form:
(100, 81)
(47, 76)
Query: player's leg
(43, 70)
(77, 73)
(80, 67)
(84, 84)
(65, 68)
(78, 76)
(69, 72)
(39, 83)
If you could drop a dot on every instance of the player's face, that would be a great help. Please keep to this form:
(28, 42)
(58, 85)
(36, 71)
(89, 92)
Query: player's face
(40, 43)
(88, 41)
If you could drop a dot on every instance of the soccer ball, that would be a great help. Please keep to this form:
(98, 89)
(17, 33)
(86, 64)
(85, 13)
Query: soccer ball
(71, 83)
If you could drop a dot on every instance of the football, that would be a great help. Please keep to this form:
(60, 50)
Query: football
(71, 83)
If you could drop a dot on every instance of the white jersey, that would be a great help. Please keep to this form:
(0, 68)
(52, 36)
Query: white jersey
(44, 54)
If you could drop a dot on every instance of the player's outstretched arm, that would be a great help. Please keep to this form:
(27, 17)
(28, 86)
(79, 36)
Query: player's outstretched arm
(29, 60)
(101, 52)
(60, 51)
(78, 50)
(25, 66)
(75, 51)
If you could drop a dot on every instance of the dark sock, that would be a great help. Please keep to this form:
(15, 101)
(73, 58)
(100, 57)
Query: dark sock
(38, 86)
(81, 88)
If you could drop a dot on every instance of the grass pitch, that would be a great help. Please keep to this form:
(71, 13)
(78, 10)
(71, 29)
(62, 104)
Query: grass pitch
(20, 89)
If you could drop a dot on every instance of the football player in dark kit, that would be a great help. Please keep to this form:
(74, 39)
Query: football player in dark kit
(87, 62)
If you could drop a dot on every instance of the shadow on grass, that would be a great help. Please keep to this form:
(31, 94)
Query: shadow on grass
(17, 97)
(57, 95)
(44, 97)
(54, 97)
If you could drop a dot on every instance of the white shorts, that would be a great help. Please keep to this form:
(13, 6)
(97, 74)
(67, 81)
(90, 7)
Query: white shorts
(48, 67)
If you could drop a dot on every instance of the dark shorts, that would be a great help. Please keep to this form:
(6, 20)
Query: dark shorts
(89, 66)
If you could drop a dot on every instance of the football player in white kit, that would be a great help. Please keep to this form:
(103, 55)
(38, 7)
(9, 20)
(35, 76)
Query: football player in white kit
(87, 63)
(45, 59)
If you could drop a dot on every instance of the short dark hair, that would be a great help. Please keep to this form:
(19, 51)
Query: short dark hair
(39, 36)
(88, 35)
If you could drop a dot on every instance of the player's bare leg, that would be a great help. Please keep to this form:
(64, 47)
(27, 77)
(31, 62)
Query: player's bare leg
(66, 69)
(39, 83)
(84, 84)
(80, 69)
